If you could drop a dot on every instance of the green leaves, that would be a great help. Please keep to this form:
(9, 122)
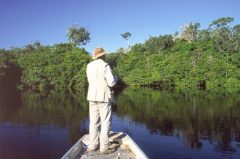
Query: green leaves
(159, 44)
(78, 35)
(162, 61)
(55, 68)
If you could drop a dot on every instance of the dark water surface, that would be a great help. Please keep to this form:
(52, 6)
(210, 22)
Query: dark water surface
(165, 125)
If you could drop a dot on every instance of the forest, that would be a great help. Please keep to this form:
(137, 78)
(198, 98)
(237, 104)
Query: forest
(194, 58)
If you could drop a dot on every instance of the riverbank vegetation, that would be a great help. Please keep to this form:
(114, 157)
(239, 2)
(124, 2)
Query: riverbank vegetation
(57, 67)
(208, 58)
(194, 58)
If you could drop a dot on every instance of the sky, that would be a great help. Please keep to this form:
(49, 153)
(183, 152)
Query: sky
(25, 21)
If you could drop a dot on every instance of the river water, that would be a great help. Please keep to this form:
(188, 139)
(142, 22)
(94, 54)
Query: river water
(168, 125)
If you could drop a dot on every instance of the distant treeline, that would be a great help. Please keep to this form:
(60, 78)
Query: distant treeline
(207, 58)
(58, 67)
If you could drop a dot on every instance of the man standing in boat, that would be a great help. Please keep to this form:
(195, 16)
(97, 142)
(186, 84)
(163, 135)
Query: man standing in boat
(100, 80)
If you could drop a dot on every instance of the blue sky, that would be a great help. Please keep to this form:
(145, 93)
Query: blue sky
(26, 21)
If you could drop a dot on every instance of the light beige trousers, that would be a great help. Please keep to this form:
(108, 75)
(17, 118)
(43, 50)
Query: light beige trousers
(100, 114)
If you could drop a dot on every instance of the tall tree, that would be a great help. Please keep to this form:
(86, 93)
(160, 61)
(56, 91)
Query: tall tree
(222, 35)
(78, 35)
(236, 34)
(158, 44)
(223, 39)
(190, 32)
(221, 22)
(236, 30)
(126, 36)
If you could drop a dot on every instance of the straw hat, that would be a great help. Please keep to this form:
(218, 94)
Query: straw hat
(98, 52)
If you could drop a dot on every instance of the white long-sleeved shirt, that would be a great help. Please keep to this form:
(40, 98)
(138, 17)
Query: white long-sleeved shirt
(100, 79)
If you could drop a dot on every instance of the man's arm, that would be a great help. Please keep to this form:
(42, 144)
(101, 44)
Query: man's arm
(111, 80)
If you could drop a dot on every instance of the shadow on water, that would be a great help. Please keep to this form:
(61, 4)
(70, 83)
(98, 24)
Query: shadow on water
(10, 98)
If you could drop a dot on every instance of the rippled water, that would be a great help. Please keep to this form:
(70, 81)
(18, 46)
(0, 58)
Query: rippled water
(172, 125)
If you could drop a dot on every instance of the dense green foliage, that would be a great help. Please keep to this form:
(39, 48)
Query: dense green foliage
(204, 58)
(58, 67)
(78, 35)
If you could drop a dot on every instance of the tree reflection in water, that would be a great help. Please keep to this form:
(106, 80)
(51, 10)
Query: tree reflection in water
(10, 98)
(194, 116)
